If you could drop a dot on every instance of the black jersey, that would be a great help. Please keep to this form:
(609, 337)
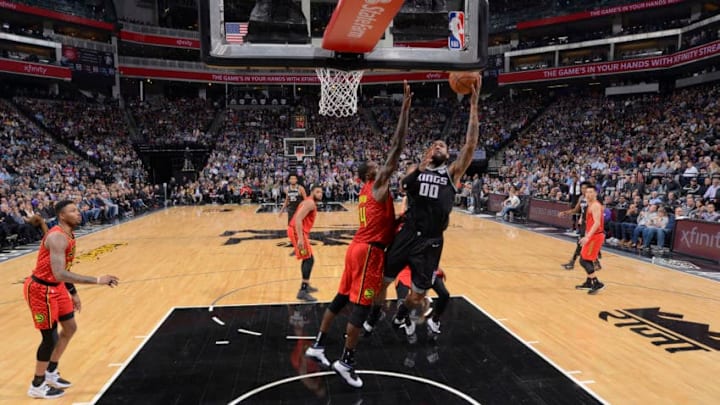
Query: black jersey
(583, 209)
(431, 196)
(294, 198)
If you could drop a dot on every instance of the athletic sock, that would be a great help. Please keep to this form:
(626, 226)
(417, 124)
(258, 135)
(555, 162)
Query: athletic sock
(52, 366)
(348, 356)
(38, 380)
(320, 340)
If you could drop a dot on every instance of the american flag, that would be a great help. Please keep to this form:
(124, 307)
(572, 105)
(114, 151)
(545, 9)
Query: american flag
(235, 32)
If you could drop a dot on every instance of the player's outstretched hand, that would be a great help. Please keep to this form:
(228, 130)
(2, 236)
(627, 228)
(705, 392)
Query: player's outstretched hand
(476, 92)
(108, 280)
(407, 96)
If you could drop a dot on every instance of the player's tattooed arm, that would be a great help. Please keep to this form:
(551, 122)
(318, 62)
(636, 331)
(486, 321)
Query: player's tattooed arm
(56, 244)
(458, 168)
(382, 183)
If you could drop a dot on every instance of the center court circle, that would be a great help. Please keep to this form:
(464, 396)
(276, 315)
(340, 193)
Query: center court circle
(359, 393)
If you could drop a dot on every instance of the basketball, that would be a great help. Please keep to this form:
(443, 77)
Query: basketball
(463, 82)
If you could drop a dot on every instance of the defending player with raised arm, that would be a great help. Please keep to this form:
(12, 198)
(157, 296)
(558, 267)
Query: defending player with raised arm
(430, 189)
(53, 298)
(362, 277)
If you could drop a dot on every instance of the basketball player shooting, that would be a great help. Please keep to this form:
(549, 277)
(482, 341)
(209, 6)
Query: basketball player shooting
(299, 233)
(362, 278)
(53, 298)
(431, 189)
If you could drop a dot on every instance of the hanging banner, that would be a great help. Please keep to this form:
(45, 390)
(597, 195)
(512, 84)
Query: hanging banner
(273, 78)
(159, 40)
(602, 12)
(35, 69)
(616, 67)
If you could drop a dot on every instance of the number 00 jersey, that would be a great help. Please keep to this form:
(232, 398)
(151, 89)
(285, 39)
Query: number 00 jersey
(431, 196)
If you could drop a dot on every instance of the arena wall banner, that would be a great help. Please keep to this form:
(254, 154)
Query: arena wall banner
(35, 69)
(159, 40)
(697, 238)
(546, 212)
(54, 15)
(616, 67)
(495, 202)
(602, 12)
(279, 78)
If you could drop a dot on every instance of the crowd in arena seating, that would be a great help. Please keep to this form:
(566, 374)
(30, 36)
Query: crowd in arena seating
(641, 151)
(647, 155)
(249, 160)
(181, 121)
(700, 37)
(96, 130)
(499, 119)
(37, 171)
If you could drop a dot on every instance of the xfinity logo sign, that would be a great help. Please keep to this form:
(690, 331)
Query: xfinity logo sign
(695, 237)
(35, 69)
(7, 4)
(184, 42)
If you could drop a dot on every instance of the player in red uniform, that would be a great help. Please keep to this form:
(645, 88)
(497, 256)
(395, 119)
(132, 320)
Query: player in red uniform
(52, 298)
(431, 312)
(592, 241)
(365, 258)
(299, 233)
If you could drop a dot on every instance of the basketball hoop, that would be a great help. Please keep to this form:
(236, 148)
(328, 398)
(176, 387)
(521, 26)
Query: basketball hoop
(299, 156)
(338, 91)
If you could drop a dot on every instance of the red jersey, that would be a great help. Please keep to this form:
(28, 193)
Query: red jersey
(589, 221)
(377, 219)
(309, 219)
(43, 270)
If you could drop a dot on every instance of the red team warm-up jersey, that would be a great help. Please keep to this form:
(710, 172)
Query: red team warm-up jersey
(589, 221)
(308, 221)
(377, 219)
(43, 270)
(365, 257)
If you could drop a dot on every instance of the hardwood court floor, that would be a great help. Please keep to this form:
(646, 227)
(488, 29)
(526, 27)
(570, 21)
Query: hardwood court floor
(178, 257)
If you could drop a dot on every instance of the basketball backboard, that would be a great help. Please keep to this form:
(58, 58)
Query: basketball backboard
(439, 35)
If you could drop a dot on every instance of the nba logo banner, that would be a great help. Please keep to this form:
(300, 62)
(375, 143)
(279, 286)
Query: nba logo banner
(456, 40)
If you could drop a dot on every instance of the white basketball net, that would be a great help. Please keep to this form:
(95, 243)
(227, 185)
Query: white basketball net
(338, 91)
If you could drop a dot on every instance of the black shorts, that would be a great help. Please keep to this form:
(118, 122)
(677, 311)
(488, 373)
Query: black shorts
(291, 213)
(415, 250)
(581, 230)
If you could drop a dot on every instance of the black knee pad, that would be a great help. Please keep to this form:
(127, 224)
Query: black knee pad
(358, 315)
(49, 339)
(338, 303)
(309, 261)
(588, 266)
